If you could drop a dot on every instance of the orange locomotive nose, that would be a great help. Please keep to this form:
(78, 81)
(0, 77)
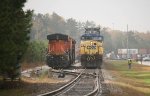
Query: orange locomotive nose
(61, 51)
(57, 47)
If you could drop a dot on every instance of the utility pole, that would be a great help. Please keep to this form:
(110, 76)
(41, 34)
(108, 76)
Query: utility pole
(127, 43)
(113, 26)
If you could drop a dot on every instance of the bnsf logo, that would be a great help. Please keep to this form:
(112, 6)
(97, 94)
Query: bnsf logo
(91, 47)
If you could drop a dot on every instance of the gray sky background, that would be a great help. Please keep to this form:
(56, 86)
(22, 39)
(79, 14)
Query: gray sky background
(108, 13)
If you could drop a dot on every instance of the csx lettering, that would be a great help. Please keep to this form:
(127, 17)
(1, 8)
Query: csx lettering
(91, 47)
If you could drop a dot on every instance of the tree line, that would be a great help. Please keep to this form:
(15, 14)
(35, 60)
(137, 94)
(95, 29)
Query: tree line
(15, 25)
(44, 24)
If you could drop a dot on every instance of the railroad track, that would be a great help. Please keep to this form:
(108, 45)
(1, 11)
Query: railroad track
(73, 73)
(82, 85)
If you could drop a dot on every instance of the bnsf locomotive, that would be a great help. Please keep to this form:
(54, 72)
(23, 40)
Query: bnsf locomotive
(91, 48)
(61, 51)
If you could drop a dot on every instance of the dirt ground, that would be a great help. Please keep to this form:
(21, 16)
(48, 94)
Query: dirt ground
(117, 85)
(32, 86)
(25, 65)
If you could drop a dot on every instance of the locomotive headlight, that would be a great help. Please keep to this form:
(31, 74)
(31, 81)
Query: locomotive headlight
(91, 43)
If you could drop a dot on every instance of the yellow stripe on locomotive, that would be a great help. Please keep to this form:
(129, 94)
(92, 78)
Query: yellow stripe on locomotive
(91, 47)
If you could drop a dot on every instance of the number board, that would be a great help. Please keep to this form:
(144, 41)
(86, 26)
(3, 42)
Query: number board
(91, 47)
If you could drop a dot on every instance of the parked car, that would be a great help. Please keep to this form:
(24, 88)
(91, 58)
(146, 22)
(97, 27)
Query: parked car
(146, 59)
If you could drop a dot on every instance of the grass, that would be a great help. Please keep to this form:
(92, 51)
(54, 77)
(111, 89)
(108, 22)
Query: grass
(135, 81)
(136, 72)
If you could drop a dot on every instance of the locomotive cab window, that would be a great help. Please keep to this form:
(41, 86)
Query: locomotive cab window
(86, 38)
(98, 38)
(82, 38)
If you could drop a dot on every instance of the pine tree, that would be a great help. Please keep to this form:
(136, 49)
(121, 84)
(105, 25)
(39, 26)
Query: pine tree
(15, 26)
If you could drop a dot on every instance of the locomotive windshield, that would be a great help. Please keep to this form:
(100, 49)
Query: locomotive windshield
(99, 38)
(86, 38)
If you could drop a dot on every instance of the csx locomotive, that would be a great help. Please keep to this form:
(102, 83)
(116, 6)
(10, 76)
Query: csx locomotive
(61, 51)
(91, 48)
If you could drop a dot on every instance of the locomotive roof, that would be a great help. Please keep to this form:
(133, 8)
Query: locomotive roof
(92, 35)
(93, 29)
(58, 36)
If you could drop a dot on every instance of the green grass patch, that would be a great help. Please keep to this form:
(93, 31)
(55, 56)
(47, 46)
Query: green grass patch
(135, 72)
(44, 74)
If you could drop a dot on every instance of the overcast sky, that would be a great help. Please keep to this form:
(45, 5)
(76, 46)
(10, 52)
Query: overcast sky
(109, 13)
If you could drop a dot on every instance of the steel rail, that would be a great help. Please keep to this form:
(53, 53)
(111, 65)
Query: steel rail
(62, 88)
(74, 73)
(96, 89)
